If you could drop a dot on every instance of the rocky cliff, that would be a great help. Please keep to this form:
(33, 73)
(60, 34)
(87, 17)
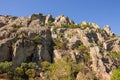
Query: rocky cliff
(40, 38)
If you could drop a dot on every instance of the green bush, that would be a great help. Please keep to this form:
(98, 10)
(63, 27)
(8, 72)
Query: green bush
(85, 25)
(37, 38)
(5, 66)
(20, 36)
(45, 65)
(19, 72)
(59, 44)
(70, 26)
(115, 75)
(16, 26)
(30, 73)
(30, 65)
(18, 78)
(83, 49)
(25, 70)
(84, 53)
(101, 31)
(32, 79)
(64, 25)
(115, 54)
(50, 24)
(54, 70)
(81, 26)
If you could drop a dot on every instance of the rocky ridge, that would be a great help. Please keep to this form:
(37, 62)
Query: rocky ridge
(39, 38)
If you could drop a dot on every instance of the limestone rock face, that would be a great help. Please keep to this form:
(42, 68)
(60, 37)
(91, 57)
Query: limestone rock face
(108, 30)
(61, 20)
(112, 44)
(35, 23)
(95, 25)
(23, 21)
(96, 40)
(48, 19)
(41, 38)
(22, 50)
(98, 65)
(19, 42)
(6, 19)
(5, 53)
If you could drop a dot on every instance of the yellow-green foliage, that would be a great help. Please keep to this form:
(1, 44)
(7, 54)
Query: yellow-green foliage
(30, 73)
(70, 26)
(19, 71)
(32, 79)
(83, 49)
(115, 75)
(37, 38)
(18, 74)
(20, 36)
(24, 71)
(5, 66)
(81, 26)
(84, 53)
(60, 70)
(85, 25)
(100, 30)
(59, 44)
(17, 78)
(16, 26)
(115, 54)
(50, 24)
(86, 58)
(30, 65)
(45, 65)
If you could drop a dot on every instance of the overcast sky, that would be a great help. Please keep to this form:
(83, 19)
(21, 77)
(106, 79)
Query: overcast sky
(102, 12)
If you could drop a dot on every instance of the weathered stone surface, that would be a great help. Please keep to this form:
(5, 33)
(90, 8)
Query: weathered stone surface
(4, 53)
(95, 25)
(108, 30)
(22, 50)
(7, 19)
(26, 39)
(48, 19)
(23, 21)
(20, 44)
(60, 20)
(112, 44)
(35, 23)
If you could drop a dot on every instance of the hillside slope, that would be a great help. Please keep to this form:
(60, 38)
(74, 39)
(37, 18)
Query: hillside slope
(58, 49)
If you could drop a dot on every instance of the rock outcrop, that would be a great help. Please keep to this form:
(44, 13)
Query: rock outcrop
(41, 38)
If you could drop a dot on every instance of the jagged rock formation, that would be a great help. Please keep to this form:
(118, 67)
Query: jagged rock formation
(43, 38)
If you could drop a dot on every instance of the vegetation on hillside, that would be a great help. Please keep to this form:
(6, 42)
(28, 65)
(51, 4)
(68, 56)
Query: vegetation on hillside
(115, 75)
(22, 72)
